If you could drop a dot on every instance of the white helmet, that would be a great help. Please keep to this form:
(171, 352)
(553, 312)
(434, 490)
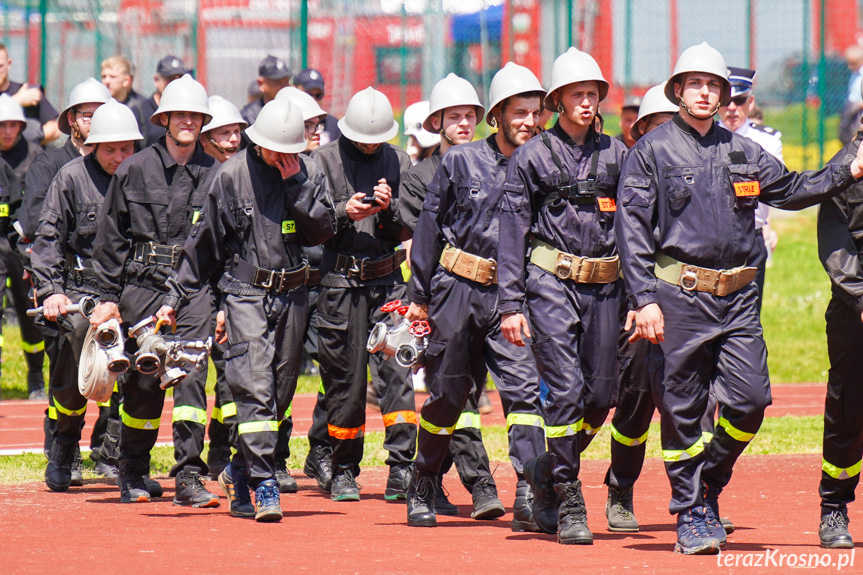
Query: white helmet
(413, 119)
(90, 91)
(11, 111)
(701, 58)
(450, 92)
(279, 127)
(511, 80)
(574, 66)
(307, 105)
(183, 95)
(113, 122)
(369, 118)
(224, 114)
(653, 102)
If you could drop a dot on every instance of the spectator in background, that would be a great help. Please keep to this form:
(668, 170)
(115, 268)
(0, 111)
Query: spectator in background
(118, 76)
(273, 75)
(169, 69)
(41, 116)
(311, 82)
(253, 92)
(849, 122)
(628, 115)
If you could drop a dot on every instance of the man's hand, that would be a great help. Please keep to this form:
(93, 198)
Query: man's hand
(649, 324)
(288, 165)
(512, 325)
(357, 210)
(103, 312)
(54, 306)
(27, 96)
(383, 193)
(166, 315)
(221, 332)
(417, 312)
(857, 164)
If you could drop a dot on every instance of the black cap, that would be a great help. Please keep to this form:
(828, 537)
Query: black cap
(310, 79)
(253, 90)
(741, 80)
(273, 68)
(170, 66)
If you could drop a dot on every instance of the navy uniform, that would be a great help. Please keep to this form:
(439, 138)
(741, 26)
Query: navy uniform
(359, 273)
(147, 215)
(687, 206)
(62, 264)
(840, 229)
(253, 227)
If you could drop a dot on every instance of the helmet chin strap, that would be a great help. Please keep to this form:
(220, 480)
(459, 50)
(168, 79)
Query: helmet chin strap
(175, 140)
(222, 149)
(688, 111)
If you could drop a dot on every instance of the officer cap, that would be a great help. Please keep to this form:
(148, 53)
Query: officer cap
(273, 68)
(741, 80)
(171, 66)
(310, 79)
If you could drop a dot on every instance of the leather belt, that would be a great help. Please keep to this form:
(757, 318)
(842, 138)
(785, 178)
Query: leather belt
(579, 269)
(151, 253)
(271, 280)
(367, 269)
(314, 278)
(693, 278)
(480, 270)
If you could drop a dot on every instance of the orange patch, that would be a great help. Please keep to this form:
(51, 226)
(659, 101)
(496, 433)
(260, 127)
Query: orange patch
(606, 204)
(744, 189)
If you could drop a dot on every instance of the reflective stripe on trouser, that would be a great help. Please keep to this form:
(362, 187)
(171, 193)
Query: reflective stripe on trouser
(262, 365)
(142, 398)
(344, 318)
(843, 426)
(408, 416)
(68, 405)
(707, 336)
(576, 355)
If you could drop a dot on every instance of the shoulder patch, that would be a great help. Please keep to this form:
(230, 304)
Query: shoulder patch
(737, 157)
(762, 128)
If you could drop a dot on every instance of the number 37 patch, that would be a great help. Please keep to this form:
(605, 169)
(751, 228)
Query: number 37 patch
(744, 189)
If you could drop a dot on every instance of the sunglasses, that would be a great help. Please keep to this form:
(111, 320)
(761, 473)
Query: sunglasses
(740, 100)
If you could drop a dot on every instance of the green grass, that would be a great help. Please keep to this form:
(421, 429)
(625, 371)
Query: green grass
(779, 435)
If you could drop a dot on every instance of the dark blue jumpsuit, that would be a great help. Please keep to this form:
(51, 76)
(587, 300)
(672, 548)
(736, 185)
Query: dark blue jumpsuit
(677, 196)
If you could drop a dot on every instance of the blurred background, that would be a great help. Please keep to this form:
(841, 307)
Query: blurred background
(403, 47)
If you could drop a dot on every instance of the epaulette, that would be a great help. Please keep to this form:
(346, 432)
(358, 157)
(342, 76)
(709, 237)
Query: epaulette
(762, 128)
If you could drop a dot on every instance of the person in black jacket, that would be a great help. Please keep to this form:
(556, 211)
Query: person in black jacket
(63, 268)
(152, 202)
(265, 204)
(359, 273)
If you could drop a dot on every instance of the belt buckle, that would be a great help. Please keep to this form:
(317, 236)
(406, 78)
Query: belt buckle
(362, 269)
(688, 279)
(79, 264)
(563, 270)
(269, 283)
(281, 275)
(150, 256)
(175, 255)
(355, 267)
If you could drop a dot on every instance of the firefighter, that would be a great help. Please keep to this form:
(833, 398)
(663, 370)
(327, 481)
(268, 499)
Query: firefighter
(18, 153)
(840, 222)
(454, 270)
(220, 139)
(273, 75)
(453, 113)
(560, 193)
(63, 267)
(635, 407)
(686, 227)
(118, 76)
(359, 273)
(151, 203)
(311, 82)
(421, 143)
(265, 204)
(168, 69)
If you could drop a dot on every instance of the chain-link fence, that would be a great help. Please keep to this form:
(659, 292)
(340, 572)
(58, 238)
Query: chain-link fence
(403, 47)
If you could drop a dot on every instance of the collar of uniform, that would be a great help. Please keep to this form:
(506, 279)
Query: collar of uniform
(16, 154)
(168, 160)
(70, 148)
(567, 139)
(681, 123)
(495, 149)
(354, 154)
(90, 160)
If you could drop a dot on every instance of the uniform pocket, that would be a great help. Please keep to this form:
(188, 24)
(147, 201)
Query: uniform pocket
(242, 211)
(334, 347)
(238, 368)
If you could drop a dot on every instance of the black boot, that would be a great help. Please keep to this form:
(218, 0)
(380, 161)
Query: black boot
(77, 469)
(572, 515)
(619, 510)
(420, 499)
(486, 504)
(833, 531)
(442, 505)
(131, 483)
(522, 514)
(58, 474)
(190, 491)
(538, 474)
(397, 483)
(35, 377)
(287, 484)
(319, 466)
